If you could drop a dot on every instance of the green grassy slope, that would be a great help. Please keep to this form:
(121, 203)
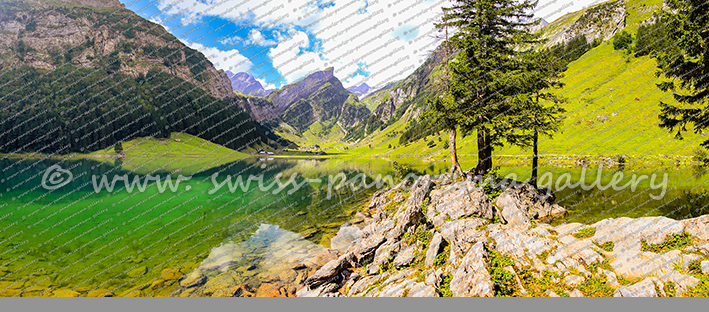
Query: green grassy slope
(190, 155)
(612, 110)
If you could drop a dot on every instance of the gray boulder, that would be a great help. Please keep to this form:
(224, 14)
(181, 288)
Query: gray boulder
(405, 257)
(459, 200)
(433, 249)
(330, 270)
(471, 278)
(512, 209)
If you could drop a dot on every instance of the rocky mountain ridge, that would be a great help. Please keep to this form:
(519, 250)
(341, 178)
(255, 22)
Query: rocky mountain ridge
(443, 238)
(99, 35)
(245, 83)
(319, 97)
(601, 21)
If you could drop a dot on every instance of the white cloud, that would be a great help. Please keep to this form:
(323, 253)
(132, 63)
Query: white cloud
(391, 39)
(266, 85)
(256, 38)
(230, 60)
(391, 43)
(354, 81)
(260, 12)
(349, 38)
(291, 61)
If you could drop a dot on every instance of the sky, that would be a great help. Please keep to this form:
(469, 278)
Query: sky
(282, 41)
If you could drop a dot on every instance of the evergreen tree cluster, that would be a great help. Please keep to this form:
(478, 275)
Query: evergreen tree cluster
(684, 65)
(652, 38)
(572, 50)
(74, 109)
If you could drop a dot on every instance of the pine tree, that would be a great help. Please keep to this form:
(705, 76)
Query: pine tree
(487, 35)
(118, 148)
(685, 63)
(541, 73)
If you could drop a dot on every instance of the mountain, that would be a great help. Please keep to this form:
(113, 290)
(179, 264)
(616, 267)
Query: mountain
(403, 100)
(245, 83)
(612, 99)
(601, 21)
(94, 34)
(318, 97)
(80, 75)
(361, 91)
(542, 23)
(317, 103)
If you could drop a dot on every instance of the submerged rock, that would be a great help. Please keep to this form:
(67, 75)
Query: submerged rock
(192, 280)
(345, 236)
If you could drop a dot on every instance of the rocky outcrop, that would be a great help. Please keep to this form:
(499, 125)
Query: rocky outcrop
(424, 81)
(102, 35)
(600, 21)
(452, 239)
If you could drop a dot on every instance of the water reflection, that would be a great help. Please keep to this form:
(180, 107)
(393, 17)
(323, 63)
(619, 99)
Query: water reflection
(72, 241)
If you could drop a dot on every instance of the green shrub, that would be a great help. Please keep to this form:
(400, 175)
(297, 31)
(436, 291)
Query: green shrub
(607, 246)
(445, 288)
(623, 41)
(672, 242)
(585, 232)
(504, 282)
(596, 287)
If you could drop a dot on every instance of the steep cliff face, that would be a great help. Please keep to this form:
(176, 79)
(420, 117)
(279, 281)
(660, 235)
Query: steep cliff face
(395, 99)
(99, 35)
(402, 100)
(284, 97)
(246, 84)
(601, 21)
(353, 113)
(331, 102)
(91, 3)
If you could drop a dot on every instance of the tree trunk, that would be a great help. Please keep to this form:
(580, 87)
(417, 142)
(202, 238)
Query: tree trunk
(484, 152)
(535, 159)
(455, 166)
(535, 150)
(488, 152)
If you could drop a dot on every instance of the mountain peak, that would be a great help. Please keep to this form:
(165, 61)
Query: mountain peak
(361, 91)
(327, 73)
(245, 83)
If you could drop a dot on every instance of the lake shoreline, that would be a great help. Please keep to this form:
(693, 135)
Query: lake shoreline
(439, 240)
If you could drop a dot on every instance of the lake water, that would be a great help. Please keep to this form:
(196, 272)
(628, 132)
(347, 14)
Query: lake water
(73, 239)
